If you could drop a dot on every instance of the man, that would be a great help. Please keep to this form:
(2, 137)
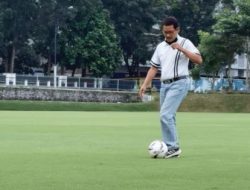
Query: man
(172, 57)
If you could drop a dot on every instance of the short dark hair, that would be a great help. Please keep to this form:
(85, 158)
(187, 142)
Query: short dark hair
(168, 21)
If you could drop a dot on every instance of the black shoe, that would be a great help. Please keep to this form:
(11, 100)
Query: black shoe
(173, 153)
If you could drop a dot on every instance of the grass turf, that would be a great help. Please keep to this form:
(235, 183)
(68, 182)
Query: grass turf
(108, 150)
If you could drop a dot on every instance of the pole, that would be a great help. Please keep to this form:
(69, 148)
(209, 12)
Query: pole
(55, 75)
(247, 63)
(55, 50)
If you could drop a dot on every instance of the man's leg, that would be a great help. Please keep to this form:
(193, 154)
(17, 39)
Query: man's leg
(171, 97)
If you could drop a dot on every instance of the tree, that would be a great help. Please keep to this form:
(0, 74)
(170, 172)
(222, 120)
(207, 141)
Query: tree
(17, 22)
(89, 41)
(243, 7)
(228, 27)
(2, 47)
(132, 19)
(62, 32)
(213, 50)
(52, 15)
(193, 15)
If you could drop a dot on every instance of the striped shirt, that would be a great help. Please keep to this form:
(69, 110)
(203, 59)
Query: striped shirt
(172, 62)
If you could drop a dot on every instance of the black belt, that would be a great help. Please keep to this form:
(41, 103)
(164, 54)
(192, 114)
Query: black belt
(168, 81)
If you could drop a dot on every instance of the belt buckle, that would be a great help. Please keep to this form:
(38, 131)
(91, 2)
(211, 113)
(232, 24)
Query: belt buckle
(168, 81)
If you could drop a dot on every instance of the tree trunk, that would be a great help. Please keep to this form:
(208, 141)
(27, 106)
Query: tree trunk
(84, 71)
(248, 64)
(73, 71)
(230, 80)
(49, 66)
(12, 58)
(6, 65)
(213, 81)
(135, 67)
(62, 70)
(126, 59)
(84, 66)
(247, 73)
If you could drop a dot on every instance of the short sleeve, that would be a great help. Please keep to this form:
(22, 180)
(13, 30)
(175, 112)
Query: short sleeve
(155, 61)
(191, 47)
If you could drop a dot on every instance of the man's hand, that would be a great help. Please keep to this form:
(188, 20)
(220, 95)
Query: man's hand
(195, 58)
(176, 46)
(142, 90)
(150, 75)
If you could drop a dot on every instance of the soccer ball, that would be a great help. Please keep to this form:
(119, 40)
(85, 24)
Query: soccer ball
(157, 149)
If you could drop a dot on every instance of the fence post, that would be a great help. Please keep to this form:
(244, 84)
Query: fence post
(117, 88)
(95, 83)
(10, 77)
(25, 82)
(37, 81)
(100, 83)
(55, 76)
(85, 85)
(75, 84)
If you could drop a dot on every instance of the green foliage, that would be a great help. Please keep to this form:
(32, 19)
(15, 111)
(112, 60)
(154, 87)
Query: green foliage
(47, 25)
(52, 16)
(214, 52)
(16, 20)
(216, 102)
(195, 72)
(101, 47)
(87, 39)
(227, 27)
(193, 15)
(229, 36)
(75, 106)
(227, 22)
(90, 38)
(234, 20)
(132, 19)
(243, 18)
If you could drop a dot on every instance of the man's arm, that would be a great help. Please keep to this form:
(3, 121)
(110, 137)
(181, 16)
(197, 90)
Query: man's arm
(195, 58)
(150, 75)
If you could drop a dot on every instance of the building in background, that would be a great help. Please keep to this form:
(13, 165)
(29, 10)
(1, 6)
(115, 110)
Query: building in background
(239, 68)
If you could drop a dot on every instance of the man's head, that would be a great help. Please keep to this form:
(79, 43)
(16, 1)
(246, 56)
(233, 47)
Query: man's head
(170, 28)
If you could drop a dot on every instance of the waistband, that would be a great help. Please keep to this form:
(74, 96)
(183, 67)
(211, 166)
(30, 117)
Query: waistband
(168, 81)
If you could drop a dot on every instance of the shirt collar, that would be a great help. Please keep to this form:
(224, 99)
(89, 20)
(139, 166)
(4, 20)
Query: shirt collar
(175, 40)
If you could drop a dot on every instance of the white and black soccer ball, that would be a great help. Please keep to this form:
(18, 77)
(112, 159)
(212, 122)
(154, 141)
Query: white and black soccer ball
(157, 149)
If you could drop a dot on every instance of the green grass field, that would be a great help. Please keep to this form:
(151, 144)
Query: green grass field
(108, 151)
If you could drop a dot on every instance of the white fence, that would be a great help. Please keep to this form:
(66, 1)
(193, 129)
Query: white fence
(9, 79)
(201, 86)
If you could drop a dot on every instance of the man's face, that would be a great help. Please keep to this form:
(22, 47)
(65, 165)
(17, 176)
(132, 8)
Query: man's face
(170, 33)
